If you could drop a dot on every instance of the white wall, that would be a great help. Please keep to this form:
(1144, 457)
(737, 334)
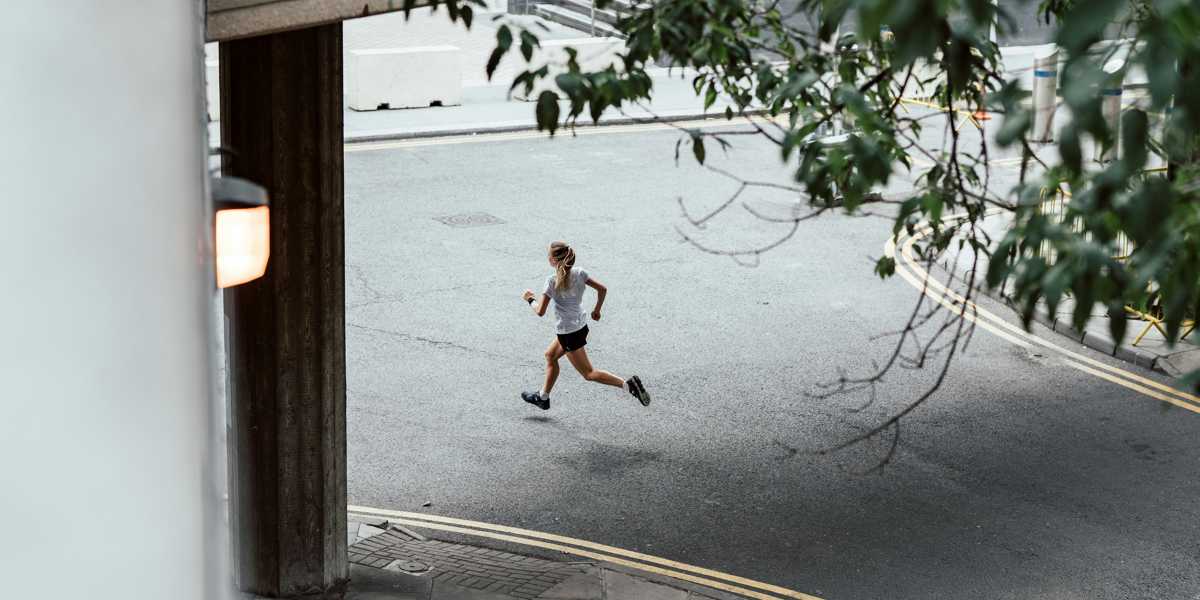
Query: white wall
(105, 366)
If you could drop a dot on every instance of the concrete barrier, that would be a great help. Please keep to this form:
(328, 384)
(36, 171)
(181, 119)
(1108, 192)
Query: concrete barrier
(404, 78)
(593, 54)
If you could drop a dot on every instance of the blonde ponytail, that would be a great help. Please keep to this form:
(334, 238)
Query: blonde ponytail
(564, 256)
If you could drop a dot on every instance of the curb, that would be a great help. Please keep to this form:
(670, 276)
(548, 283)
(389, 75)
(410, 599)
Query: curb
(1093, 340)
(483, 129)
(485, 565)
(1096, 341)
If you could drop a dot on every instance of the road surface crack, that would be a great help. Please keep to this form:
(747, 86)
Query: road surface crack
(439, 343)
(357, 273)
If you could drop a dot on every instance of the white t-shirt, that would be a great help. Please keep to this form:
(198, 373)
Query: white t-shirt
(568, 302)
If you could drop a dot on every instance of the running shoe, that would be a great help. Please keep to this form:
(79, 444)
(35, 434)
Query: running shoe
(638, 390)
(536, 399)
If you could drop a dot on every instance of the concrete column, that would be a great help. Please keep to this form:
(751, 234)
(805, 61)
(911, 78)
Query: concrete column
(281, 119)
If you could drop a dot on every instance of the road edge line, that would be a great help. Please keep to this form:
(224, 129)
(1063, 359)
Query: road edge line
(398, 135)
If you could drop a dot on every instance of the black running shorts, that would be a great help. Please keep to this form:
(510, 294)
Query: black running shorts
(574, 340)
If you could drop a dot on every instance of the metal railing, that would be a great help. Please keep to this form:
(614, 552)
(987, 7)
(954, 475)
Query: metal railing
(1055, 206)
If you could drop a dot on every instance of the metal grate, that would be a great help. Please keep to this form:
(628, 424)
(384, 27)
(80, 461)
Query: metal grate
(470, 220)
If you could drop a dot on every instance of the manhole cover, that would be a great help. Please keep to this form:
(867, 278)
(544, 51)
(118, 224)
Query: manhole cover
(470, 220)
(407, 566)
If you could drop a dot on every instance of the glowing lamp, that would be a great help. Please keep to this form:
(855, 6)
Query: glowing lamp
(242, 230)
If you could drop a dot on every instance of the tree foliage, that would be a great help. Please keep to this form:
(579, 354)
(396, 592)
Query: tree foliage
(809, 65)
(851, 66)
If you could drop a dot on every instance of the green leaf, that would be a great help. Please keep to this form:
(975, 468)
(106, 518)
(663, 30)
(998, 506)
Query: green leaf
(710, 96)
(547, 111)
(933, 204)
(528, 43)
(885, 267)
(1084, 23)
(503, 43)
(698, 147)
(1191, 380)
(1117, 322)
(1070, 149)
(1134, 125)
(570, 83)
(997, 269)
(525, 78)
(1014, 127)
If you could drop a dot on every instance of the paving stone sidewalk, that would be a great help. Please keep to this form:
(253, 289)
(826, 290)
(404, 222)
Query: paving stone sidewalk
(391, 562)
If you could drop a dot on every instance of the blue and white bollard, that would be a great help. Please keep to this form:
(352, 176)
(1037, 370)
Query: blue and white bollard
(1110, 108)
(1045, 94)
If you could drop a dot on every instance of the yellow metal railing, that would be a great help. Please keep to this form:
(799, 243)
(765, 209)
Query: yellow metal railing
(1054, 206)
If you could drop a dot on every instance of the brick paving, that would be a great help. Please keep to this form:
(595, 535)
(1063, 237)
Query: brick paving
(469, 566)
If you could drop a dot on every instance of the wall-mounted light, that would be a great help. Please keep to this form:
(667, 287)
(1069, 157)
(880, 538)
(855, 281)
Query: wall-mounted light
(242, 230)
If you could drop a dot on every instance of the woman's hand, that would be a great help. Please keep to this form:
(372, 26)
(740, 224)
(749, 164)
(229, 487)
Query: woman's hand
(527, 296)
(596, 315)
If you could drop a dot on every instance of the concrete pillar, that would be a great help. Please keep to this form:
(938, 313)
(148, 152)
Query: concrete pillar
(281, 119)
(1045, 94)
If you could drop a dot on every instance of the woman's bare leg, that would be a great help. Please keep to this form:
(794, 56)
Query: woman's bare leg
(579, 359)
(553, 353)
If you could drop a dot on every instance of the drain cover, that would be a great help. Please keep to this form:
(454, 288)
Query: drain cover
(470, 220)
(411, 567)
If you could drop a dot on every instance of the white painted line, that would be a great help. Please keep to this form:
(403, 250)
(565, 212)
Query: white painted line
(589, 130)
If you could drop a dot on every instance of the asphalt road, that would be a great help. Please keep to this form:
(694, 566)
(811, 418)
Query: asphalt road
(1021, 479)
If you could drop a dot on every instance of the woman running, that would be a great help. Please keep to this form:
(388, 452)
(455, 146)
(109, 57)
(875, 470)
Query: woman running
(565, 287)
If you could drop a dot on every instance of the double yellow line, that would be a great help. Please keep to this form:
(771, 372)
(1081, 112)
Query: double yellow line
(733, 584)
(909, 268)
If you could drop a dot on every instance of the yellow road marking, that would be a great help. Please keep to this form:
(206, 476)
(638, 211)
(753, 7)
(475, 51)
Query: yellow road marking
(1137, 388)
(594, 551)
(908, 255)
(922, 280)
(1012, 160)
(921, 163)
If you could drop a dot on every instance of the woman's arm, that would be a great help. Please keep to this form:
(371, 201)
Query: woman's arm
(539, 308)
(601, 291)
